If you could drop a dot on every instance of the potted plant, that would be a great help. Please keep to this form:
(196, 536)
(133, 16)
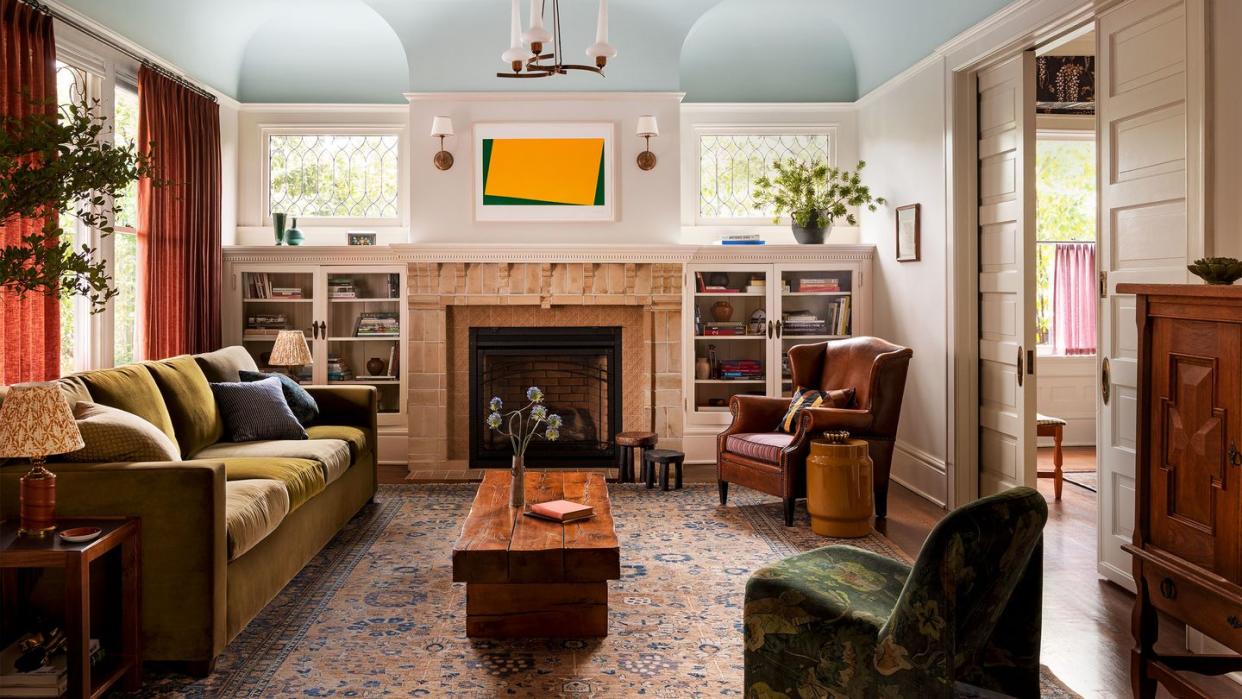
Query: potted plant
(814, 195)
(59, 162)
(521, 426)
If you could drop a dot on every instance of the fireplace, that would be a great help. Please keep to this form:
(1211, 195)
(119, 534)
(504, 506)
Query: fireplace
(579, 370)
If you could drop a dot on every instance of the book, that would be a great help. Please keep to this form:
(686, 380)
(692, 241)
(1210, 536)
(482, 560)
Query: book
(51, 680)
(561, 511)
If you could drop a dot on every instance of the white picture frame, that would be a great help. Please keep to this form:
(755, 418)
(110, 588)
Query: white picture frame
(549, 213)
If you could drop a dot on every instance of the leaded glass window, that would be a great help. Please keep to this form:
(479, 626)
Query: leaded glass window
(324, 175)
(729, 164)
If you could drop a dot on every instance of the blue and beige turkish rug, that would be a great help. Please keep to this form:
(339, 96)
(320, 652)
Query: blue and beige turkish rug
(376, 612)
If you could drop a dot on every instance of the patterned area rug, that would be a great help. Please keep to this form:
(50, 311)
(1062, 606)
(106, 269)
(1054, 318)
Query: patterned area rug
(376, 613)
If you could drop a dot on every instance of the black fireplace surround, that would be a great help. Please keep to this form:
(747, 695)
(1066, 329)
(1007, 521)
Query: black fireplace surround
(579, 370)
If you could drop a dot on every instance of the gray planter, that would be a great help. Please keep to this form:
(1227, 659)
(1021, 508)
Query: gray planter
(812, 233)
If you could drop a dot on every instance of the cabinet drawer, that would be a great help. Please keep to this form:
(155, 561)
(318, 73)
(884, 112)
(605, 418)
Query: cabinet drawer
(1185, 601)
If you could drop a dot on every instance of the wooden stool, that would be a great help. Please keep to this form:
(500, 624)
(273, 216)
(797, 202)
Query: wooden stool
(1047, 426)
(663, 457)
(628, 442)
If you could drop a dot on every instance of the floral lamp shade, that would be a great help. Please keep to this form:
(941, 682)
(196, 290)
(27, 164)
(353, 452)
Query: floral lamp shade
(290, 349)
(36, 421)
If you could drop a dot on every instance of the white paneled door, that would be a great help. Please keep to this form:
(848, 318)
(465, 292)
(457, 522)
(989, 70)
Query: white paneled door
(1149, 98)
(1007, 275)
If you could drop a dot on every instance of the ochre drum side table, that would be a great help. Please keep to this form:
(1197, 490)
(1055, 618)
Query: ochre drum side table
(838, 487)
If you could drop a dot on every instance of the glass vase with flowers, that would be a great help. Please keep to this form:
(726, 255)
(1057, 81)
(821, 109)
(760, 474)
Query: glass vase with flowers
(522, 426)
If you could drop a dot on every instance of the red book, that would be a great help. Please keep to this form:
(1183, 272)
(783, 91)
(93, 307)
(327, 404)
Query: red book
(561, 511)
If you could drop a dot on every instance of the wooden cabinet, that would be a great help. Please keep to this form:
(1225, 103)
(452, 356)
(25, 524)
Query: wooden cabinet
(1188, 503)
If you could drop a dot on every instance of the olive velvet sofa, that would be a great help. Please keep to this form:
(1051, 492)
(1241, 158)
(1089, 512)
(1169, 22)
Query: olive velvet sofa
(213, 555)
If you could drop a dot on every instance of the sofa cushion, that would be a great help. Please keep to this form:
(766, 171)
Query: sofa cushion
(130, 388)
(252, 509)
(303, 478)
(113, 435)
(224, 364)
(256, 410)
(190, 402)
(332, 455)
(354, 437)
(303, 404)
(764, 446)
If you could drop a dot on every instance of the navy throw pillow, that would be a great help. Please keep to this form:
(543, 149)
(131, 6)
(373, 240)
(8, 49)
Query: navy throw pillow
(303, 404)
(256, 410)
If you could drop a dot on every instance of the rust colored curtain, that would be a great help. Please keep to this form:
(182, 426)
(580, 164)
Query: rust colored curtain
(30, 336)
(178, 220)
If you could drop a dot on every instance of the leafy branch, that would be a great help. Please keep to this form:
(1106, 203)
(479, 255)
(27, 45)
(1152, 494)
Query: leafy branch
(814, 193)
(57, 162)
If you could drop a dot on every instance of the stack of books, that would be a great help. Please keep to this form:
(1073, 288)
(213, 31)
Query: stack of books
(338, 369)
(266, 323)
(729, 329)
(50, 680)
(818, 284)
(839, 316)
(286, 292)
(740, 369)
(341, 288)
(799, 323)
(757, 285)
(378, 324)
(741, 239)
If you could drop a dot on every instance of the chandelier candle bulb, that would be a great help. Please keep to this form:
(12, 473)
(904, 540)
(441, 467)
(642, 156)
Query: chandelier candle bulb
(601, 50)
(537, 35)
(518, 54)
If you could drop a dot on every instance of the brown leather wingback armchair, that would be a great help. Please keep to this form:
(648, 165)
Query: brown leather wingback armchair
(753, 453)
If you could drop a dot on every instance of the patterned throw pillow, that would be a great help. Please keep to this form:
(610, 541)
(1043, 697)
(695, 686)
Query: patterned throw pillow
(303, 404)
(256, 410)
(112, 435)
(810, 398)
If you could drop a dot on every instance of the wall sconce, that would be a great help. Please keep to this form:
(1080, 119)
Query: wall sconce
(441, 127)
(647, 128)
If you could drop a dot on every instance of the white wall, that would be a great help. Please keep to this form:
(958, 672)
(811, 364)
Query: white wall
(1065, 387)
(1225, 155)
(442, 200)
(229, 111)
(901, 135)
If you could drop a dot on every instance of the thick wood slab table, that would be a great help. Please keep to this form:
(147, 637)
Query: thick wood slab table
(528, 577)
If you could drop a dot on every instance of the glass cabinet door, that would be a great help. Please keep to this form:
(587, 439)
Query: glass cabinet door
(363, 333)
(273, 301)
(730, 329)
(815, 305)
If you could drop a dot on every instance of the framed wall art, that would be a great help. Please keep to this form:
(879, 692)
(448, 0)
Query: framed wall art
(908, 233)
(544, 172)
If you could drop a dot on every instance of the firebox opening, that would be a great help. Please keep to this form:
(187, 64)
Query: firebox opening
(579, 370)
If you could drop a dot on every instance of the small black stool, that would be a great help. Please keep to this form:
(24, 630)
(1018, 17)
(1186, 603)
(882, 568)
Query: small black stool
(663, 457)
(628, 442)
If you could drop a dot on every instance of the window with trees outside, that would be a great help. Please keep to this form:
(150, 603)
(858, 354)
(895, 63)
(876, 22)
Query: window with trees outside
(1064, 212)
(730, 160)
(125, 347)
(334, 175)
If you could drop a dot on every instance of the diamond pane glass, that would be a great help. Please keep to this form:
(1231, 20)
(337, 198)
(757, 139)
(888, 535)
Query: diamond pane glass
(334, 175)
(729, 164)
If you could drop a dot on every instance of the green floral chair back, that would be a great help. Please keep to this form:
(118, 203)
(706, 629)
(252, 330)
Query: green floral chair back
(844, 622)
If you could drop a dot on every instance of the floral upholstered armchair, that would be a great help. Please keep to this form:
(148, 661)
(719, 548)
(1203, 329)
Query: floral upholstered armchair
(844, 622)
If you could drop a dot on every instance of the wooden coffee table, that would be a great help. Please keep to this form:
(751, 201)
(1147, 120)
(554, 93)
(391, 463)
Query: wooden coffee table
(528, 577)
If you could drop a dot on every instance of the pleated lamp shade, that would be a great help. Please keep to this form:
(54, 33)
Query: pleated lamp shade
(290, 349)
(36, 421)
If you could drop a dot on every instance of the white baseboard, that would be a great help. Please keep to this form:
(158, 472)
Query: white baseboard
(921, 472)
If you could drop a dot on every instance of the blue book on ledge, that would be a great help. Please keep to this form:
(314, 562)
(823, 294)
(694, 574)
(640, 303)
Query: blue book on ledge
(743, 242)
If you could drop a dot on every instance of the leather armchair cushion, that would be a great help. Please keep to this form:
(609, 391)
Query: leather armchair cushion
(764, 446)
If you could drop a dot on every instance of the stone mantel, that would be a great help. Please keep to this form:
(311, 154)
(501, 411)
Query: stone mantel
(579, 254)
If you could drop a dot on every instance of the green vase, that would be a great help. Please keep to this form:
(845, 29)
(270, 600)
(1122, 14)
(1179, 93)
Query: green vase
(278, 227)
(293, 236)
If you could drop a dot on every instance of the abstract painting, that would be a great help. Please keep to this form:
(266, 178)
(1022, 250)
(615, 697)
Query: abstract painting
(544, 172)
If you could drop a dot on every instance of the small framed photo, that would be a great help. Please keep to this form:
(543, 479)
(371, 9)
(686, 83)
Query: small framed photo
(908, 234)
(361, 238)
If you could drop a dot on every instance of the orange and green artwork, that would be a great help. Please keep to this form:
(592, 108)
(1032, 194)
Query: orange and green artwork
(543, 171)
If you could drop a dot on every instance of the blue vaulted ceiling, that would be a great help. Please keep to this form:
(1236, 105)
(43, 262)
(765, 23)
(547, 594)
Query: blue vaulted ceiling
(374, 50)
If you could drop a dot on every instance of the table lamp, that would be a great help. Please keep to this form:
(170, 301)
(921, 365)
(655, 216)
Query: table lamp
(36, 422)
(290, 351)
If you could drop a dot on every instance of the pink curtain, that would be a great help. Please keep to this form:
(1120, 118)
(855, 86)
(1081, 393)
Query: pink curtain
(1073, 299)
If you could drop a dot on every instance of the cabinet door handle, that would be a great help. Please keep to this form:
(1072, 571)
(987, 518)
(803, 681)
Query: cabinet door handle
(1235, 457)
(1020, 370)
(1168, 589)
(770, 329)
(1105, 382)
(778, 328)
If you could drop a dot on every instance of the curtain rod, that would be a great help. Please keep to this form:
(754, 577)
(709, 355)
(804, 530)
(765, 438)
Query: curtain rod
(151, 65)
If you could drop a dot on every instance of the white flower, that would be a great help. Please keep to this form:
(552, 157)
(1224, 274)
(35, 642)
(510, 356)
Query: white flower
(534, 395)
(494, 421)
(554, 421)
(539, 412)
(495, 404)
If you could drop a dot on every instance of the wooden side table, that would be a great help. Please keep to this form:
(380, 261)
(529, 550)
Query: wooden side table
(839, 487)
(121, 534)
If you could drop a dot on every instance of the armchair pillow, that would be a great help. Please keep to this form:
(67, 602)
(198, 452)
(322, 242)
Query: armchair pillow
(810, 398)
(113, 435)
(303, 405)
(256, 410)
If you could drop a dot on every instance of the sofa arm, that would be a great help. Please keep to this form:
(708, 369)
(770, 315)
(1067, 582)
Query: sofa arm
(184, 550)
(356, 406)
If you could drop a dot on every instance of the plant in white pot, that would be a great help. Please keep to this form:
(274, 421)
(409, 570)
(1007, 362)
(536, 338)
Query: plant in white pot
(814, 196)
(521, 426)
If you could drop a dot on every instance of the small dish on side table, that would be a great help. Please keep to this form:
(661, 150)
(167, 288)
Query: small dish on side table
(78, 535)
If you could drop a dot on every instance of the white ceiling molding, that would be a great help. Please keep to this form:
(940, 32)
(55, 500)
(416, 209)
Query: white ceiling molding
(329, 107)
(782, 107)
(565, 96)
